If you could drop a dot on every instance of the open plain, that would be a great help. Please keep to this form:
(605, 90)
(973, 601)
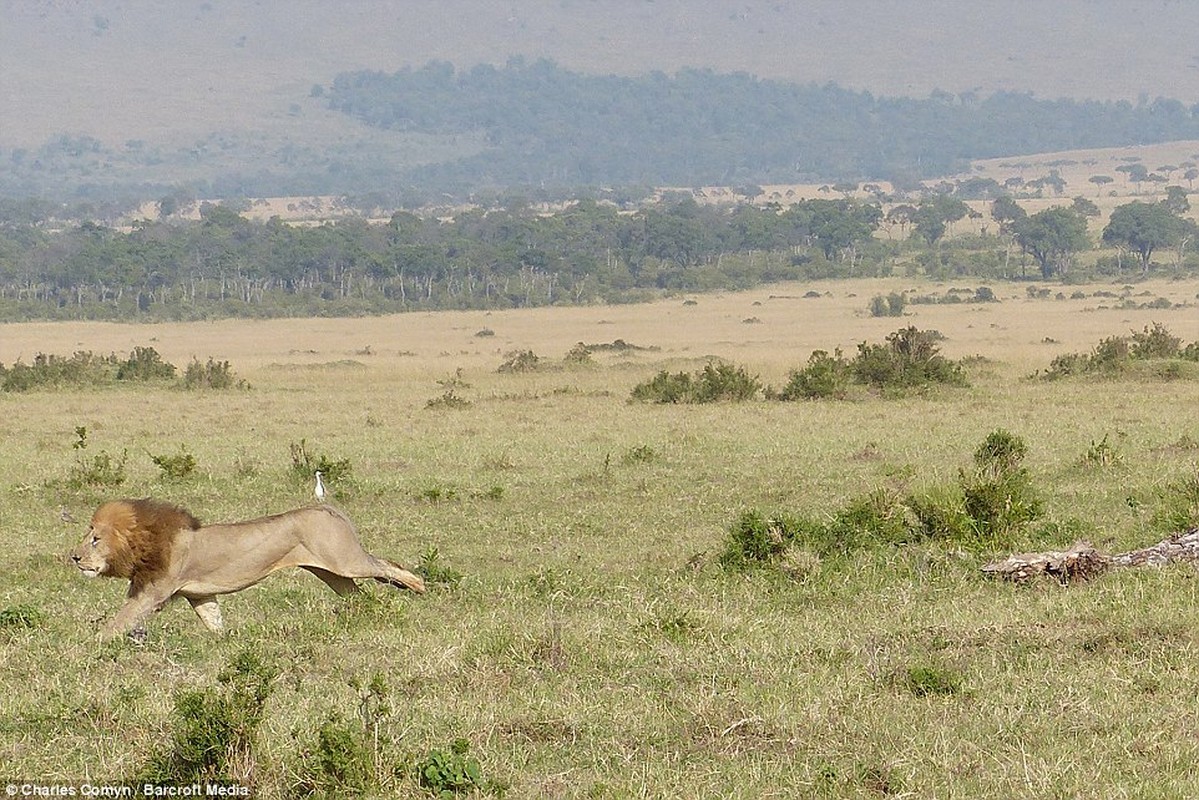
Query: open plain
(579, 633)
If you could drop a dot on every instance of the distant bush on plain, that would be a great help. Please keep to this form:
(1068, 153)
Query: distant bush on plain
(909, 359)
(84, 368)
(716, 382)
(987, 510)
(1154, 348)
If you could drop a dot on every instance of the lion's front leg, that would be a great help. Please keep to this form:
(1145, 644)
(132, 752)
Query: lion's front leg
(209, 612)
(132, 616)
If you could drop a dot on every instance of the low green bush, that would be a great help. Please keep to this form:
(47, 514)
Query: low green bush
(175, 466)
(450, 771)
(716, 382)
(1114, 355)
(824, 377)
(212, 730)
(909, 358)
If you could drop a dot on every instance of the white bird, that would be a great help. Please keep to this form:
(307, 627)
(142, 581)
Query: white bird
(320, 488)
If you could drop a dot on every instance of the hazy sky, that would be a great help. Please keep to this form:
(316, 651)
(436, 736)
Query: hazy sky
(121, 69)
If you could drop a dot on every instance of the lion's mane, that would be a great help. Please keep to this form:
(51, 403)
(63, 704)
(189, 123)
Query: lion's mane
(140, 534)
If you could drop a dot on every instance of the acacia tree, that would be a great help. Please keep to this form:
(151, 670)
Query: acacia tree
(934, 215)
(1052, 237)
(1143, 228)
(1009, 215)
(1100, 181)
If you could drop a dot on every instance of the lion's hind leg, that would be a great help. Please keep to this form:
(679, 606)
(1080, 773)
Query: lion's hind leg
(396, 575)
(338, 583)
(209, 612)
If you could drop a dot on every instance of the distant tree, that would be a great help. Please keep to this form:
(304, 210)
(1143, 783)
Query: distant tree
(934, 215)
(1100, 181)
(1085, 207)
(1137, 173)
(1006, 212)
(978, 188)
(901, 215)
(1052, 237)
(1055, 181)
(836, 226)
(1190, 176)
(1176, 200)
(1143, 228)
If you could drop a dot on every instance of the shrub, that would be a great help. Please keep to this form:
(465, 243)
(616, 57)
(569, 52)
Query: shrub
(825, 376)
(340, 764)
(520, 361)
(909, 358)
(721, 382)
(716, 382)
(998, 496)
(579, 355)
(448, 399)
(1179, 508)
(433, 571)
(1116, 353)
(99, 471)
(755, 540)
(51, 371)
(1101, 454)
(176, 466)
(212, 374)
(450, 772)
(1155, 342)
(348, 759)
(304, 465)
(212, 730)
(940, 515)
(664, 388)
(145, 364)
(891, 305)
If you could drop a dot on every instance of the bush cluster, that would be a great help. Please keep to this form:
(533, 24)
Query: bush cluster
(990, 505)
(1116, 354)
(84, 368)
(212, 374)
(909, 358)
(212, 730)
(889, 305)
(716, 382)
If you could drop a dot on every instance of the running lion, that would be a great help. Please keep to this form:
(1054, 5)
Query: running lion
(164, 552)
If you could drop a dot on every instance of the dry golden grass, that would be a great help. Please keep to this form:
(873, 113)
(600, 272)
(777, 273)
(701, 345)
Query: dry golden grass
(592, 647)
(772, 329)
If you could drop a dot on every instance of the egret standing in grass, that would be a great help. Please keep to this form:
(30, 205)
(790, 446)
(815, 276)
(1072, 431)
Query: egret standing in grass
(320, 488)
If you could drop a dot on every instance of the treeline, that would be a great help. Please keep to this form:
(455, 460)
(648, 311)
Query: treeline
(227, 265)
(545, 125)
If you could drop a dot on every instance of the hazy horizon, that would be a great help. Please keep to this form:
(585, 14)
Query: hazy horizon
(141, 70)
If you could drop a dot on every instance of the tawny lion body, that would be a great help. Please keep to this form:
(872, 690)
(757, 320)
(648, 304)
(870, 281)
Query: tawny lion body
(164, 552)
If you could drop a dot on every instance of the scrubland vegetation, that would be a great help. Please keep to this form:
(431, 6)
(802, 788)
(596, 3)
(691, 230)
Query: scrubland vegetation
(750, 596)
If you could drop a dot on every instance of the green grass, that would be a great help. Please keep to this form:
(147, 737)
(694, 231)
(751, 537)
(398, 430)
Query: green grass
(582, 637)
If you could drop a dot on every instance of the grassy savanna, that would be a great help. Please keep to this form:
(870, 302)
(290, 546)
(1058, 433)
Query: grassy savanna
(579, 633)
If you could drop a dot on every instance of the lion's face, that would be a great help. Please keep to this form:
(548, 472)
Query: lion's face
(93, 553)
(107, 547)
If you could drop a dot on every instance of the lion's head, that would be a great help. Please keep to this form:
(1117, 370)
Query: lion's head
(131, 539)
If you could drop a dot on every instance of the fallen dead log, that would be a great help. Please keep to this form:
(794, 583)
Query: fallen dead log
(1082, 561)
